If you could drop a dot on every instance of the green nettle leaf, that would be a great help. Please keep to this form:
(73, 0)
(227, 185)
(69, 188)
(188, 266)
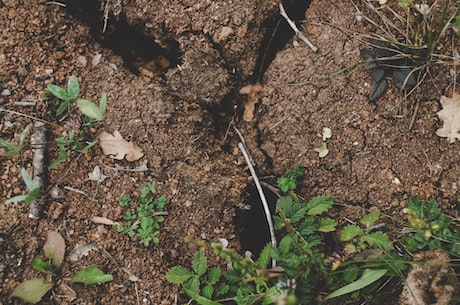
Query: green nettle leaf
(264, 256)
(199, 263)
(33, 290)
(42, 266)
(193, 284)
(369, 276)
(90, 109)
(58, 92)
(271, 295)
(199, 299)
(91, 275)
(456, 26)
(326, 225)
(178, 275)
(73, 88)
(285, 244)
(54, 248)
(379, 240)
(319, 204)
(370, 219)
(207, 291)
(349, 232)
(214, 275)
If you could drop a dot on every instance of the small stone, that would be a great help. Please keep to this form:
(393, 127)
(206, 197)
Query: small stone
(81, 61)
(6, 92)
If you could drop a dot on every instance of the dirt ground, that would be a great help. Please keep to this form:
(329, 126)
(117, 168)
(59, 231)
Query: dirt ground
(181, 109)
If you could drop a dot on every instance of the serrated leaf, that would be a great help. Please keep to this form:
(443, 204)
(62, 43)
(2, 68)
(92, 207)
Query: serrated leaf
(178, 275)
(319, 204)
(326, 225)
(369, 276)
(214, 275)
(378, 89)
(285, 244)
(54, 248)
(207, 291)
(264, 256)
(379, 240)
(73, 88)
(193, 284)
(91, 275)
(58, 92)
(199, 263)
(349, 232)
(42, 266)
(271, 295)
(199, 299)
(90, 109)
(33, 290)
(370, 219)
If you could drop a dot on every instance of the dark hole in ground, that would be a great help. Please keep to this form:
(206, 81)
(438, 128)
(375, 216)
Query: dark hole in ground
(251, 223)
(278, 33)
(138, 50)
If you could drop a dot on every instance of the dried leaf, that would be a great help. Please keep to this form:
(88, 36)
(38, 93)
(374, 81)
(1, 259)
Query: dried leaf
(450, 115)
(32, 290)
(118, 148)
(103, 221)
(97, 175)
(81, 251)
(322, 151)
(54, 248)
(252, 91)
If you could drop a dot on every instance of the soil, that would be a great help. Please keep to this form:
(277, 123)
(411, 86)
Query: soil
(179, 102)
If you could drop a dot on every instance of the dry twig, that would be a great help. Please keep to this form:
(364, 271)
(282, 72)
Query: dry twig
(38, 141)
(296, 30)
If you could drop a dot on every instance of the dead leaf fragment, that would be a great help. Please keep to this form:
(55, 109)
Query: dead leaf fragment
(450, 115)
(97, 175)
(54, 248)
(118, 148)
(252, 91)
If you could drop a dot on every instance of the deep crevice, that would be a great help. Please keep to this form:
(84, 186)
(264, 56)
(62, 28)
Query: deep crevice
(138, 50)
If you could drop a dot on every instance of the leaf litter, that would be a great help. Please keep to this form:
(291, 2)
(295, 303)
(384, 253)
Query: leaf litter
(450, 115)
(118, 148)
(252, 91)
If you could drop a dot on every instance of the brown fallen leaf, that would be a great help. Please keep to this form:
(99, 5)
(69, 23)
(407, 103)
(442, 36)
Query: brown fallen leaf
(450, 115)
(117, 147)
(252, 91)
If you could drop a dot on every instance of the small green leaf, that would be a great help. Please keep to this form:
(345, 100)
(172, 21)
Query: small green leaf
(207, 291)
(12, 149)
(18, 198)
(379, 240)
(349, 232)
(23, 134)
(91, 275)
(199, 299)
(61, 157)
(264, 256)
(27, 179)
(271, 295)
(369, 276)
(326, 225)
(42, 266)
(90, 109)
(33, 290)
(73, 88)
(32, 195)
(319, 204)
(62, 107)
(54, 248)
(199, 263)
(58, 92)
(214, 275)
(178, 275)
(370, 219)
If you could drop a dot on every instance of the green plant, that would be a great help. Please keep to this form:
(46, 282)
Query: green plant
(362, 237)
(33, 193)
(13, 149)
(33, 290)
(411, 32)
(92, 112)
(430, 229)
(145, 223)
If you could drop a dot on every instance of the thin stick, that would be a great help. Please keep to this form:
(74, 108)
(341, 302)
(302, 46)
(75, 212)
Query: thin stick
(37, 141)
(262, 197)
(296, 30)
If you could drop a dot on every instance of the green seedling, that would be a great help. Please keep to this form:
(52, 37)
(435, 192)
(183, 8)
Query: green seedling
(13, 149)
(360, 238)
(93, 113)
(145, 223)
(33, 193)
(71, 142)
(33, 290)
(430, 229)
